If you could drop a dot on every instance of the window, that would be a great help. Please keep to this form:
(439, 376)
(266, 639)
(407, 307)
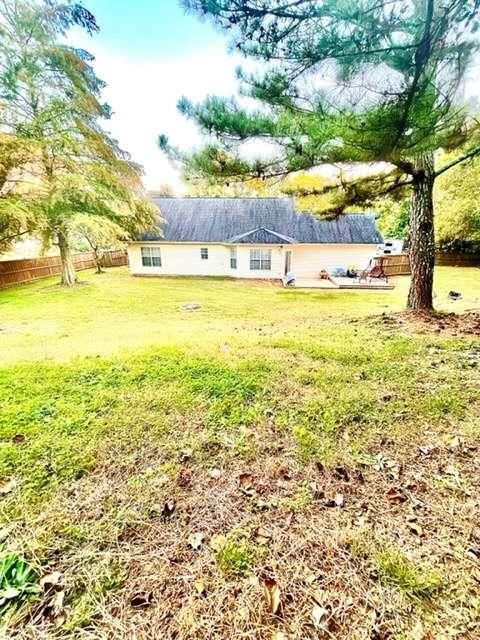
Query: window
(204, 253)
(260, 259)
(233, 257)
(151, 257)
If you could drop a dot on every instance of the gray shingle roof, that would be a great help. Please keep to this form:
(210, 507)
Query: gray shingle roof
(255, 221)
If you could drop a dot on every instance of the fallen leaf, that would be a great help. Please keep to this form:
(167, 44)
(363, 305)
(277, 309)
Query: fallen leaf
(168, 508)
(8, 486)
(50, 579)
(337, 501)
(426, 450)
(195, 540)
(395, 495)
(341, 473)
(141, 599)
(318, 614)
(18, 438)
(215, 473)
(273, 595)
(200, 587)
(415, 528)
(317, 493)
(245, 481)
(320, 467)
(474, 552)
(185, 454)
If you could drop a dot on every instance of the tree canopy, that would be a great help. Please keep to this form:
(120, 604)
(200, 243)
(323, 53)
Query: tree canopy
(457, 200)
(51, 109)
(363, 81)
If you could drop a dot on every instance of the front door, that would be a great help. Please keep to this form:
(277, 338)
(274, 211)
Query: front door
(288, 261)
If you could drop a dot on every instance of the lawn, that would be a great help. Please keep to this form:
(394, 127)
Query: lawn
(276, 465)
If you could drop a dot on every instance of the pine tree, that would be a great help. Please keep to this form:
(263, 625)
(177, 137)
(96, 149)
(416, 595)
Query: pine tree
(347, 81)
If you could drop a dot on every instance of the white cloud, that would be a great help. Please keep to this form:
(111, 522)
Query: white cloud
(143, 96)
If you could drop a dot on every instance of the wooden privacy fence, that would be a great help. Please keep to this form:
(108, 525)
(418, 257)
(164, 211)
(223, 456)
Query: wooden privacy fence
(398, 265)
(394, 265)
(20, 271)
(458, 259)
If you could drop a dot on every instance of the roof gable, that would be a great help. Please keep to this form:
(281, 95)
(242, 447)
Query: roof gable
(261, 236)
(255, 221)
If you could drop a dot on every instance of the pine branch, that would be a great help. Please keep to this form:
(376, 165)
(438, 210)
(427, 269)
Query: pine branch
(468, 156)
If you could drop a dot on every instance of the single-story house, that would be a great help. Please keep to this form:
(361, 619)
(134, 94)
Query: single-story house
(250, 238)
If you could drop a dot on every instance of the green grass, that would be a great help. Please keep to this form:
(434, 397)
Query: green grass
(114, 402)
(415, 582)
(113, 312)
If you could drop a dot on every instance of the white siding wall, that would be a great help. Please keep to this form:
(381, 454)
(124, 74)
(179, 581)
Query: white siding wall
(307, 260)
(181, 259)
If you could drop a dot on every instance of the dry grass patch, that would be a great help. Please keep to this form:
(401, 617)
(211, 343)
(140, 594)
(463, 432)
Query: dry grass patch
(317, 483)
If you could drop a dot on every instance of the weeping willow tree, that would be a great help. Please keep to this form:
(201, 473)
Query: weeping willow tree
(346, 81)
(51, 102)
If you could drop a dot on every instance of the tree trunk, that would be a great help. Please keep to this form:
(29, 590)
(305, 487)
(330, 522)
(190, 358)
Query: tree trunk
(421, 249)
(98, 256)
(69, 276)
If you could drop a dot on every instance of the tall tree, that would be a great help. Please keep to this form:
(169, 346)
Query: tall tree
(98, 235)
(355, 81)
(50, 99)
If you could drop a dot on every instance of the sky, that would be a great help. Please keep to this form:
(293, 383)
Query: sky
(150, 53)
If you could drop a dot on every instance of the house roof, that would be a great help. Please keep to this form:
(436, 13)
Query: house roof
(255, 221)
(261, 236)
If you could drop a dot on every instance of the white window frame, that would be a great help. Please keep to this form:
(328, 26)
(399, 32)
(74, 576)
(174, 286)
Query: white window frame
(204, 253)
(151, 257)
(260, 259)
(233, 257)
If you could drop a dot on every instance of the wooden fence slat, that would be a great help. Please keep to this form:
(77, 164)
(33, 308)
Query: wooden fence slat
(394, 265)
(458, 259)
(20, 271)
(397, 265)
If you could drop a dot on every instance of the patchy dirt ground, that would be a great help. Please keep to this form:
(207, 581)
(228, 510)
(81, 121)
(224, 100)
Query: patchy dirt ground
(467, 324)
(259, 484)
(344, 552)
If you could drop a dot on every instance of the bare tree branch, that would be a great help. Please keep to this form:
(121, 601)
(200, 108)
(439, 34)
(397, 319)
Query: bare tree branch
(453, 163)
